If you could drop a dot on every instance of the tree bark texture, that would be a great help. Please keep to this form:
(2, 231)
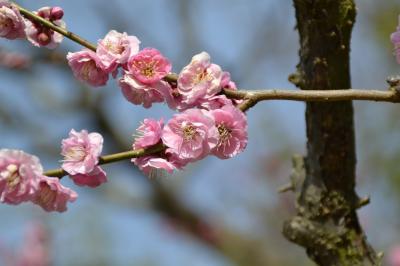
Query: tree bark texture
(326, 224)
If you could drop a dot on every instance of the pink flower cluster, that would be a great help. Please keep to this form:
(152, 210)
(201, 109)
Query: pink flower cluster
(395, 38)
(208, 123)
(22, 180)
(192, 135)
(14, 26)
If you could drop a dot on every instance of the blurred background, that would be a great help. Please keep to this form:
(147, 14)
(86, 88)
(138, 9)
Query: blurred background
(215, 212)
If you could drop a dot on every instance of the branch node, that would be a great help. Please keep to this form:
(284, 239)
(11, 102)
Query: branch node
(286, 188)
(363, 202)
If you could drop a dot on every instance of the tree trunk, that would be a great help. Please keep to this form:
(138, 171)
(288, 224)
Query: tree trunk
(326, 224)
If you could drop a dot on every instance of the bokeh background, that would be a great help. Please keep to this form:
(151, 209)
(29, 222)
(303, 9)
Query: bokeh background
(215, 212)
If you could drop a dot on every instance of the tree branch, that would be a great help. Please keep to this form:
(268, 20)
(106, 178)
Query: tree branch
(252, 97)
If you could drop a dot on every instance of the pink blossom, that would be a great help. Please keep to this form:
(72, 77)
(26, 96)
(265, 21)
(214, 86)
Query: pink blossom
(174, 99)
(190, 135)
(215, 102)
(81, 151)
(52, 196)
(394, 256)
(116, 48)
(42, 36)
(12, 24)
(138, 93)
(200, 79)
(232, 128)
(88, 68)
(147, 164)
(149, 66)
(19, 175)
(149, 133)
(395, 38)
(226, 81)
(94, 178)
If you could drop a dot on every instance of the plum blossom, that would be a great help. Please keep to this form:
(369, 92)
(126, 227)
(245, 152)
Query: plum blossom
(88, 68)
(395, 38)
(52, 196)
(215, 102)
(200, 79)
(19, 175)
(12, 24)
(116, 48)
(149, 66)
(226, 81)
(40, 35)
(190, 135)
(81, 151)
(142, 94)
(232, 129)
(93, 179)
(148, 164)
(149, 133)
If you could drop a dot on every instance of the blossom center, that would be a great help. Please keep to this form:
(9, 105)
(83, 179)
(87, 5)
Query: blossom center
(86, 69)
(225, 133)
(189, 132)
(203, 75)
(5, 22)
(46, 195)
(148, 71)
(11, 175)
(75, 154)
(114, 48)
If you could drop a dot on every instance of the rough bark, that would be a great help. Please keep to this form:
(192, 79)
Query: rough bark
(326, 224)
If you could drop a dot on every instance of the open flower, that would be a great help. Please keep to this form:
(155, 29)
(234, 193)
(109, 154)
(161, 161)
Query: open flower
(200, 79)
(116, 48)
(52, 196)
(232, 130)
(40, 35)
(149, 133)
(12, 24)
(139, 93)
(395, 38)
(81, 153)
(149, 66)
(88, 68)
(19, 175)
(190, 135)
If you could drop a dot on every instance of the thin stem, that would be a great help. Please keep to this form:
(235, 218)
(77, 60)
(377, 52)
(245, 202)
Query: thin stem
(111, 158)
